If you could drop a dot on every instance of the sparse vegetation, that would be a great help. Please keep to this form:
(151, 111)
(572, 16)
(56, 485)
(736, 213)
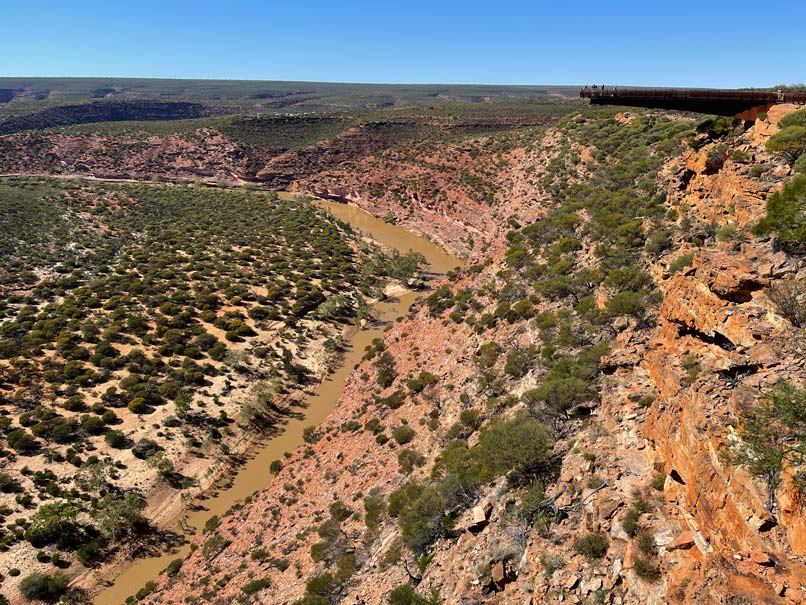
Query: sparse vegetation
(772, 435)
(785, 216)
(592, 546)
(162, 289)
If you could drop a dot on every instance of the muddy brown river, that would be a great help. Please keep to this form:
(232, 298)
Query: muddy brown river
(254, 474)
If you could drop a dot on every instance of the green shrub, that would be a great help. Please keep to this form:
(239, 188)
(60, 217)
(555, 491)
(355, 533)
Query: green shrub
(54, 523)
(319, 589)
(138, 405)
(403, 434)
(533, 500)
(255, 586)
(796, 118)
(692, 367)
(116, 439)
(374, 508)
(659, 241)
(395, 400)
(408, 459)
(146, 590)
(173, 568)
(488, 354)
(680, 263)
(626, 303)
(93, 425)
(521, 446)
(517, 364)
(790, 141)
(310, 434)
(772, 436)
(212, 523)
(109, 417)
(470, 418)
(785, 215)
(646, 542)
(281, 564)
(406, 595)
(386, 369)
(21, 441)
(630, 522)
(89, 553)
(8, 484)
(740, 156)
(569, 382)
(339, 511)
(790, 300)
(592, 546)
(424, 521)
(44, 587)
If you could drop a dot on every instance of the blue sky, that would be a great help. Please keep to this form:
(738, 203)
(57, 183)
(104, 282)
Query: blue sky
(707, 43)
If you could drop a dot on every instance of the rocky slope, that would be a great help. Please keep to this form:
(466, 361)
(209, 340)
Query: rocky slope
(639, 458)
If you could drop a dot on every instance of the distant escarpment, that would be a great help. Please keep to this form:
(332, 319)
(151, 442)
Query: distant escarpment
(602, 407)
(106, 111)
(272, 151)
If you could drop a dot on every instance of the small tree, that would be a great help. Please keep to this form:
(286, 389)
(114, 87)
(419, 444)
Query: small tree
(54, 523)
(772, 435)
(116, 516)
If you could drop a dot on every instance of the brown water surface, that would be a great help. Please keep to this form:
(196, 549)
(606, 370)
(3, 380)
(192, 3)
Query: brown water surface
(254, 474)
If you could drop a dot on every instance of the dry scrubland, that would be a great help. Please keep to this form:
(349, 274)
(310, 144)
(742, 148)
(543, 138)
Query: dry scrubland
(146, 331)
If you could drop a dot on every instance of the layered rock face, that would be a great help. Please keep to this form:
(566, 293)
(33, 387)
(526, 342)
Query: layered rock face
(640, 467)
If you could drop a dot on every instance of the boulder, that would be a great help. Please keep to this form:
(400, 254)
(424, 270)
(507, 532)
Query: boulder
(683, 541)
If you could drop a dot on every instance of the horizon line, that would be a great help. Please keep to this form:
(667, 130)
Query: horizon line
(365, 83)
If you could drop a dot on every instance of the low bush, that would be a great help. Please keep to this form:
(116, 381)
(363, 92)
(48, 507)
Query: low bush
(785, 212)
(44, 587)
(796, 118)
(255, 586)
(406, 595)
(646, 569)
(116, 439)
(403, 434)
(791, 141)
(680, 263)
(592, 546)
(551, 562)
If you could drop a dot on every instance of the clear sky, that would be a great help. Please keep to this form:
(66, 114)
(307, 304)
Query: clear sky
(684, 43)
